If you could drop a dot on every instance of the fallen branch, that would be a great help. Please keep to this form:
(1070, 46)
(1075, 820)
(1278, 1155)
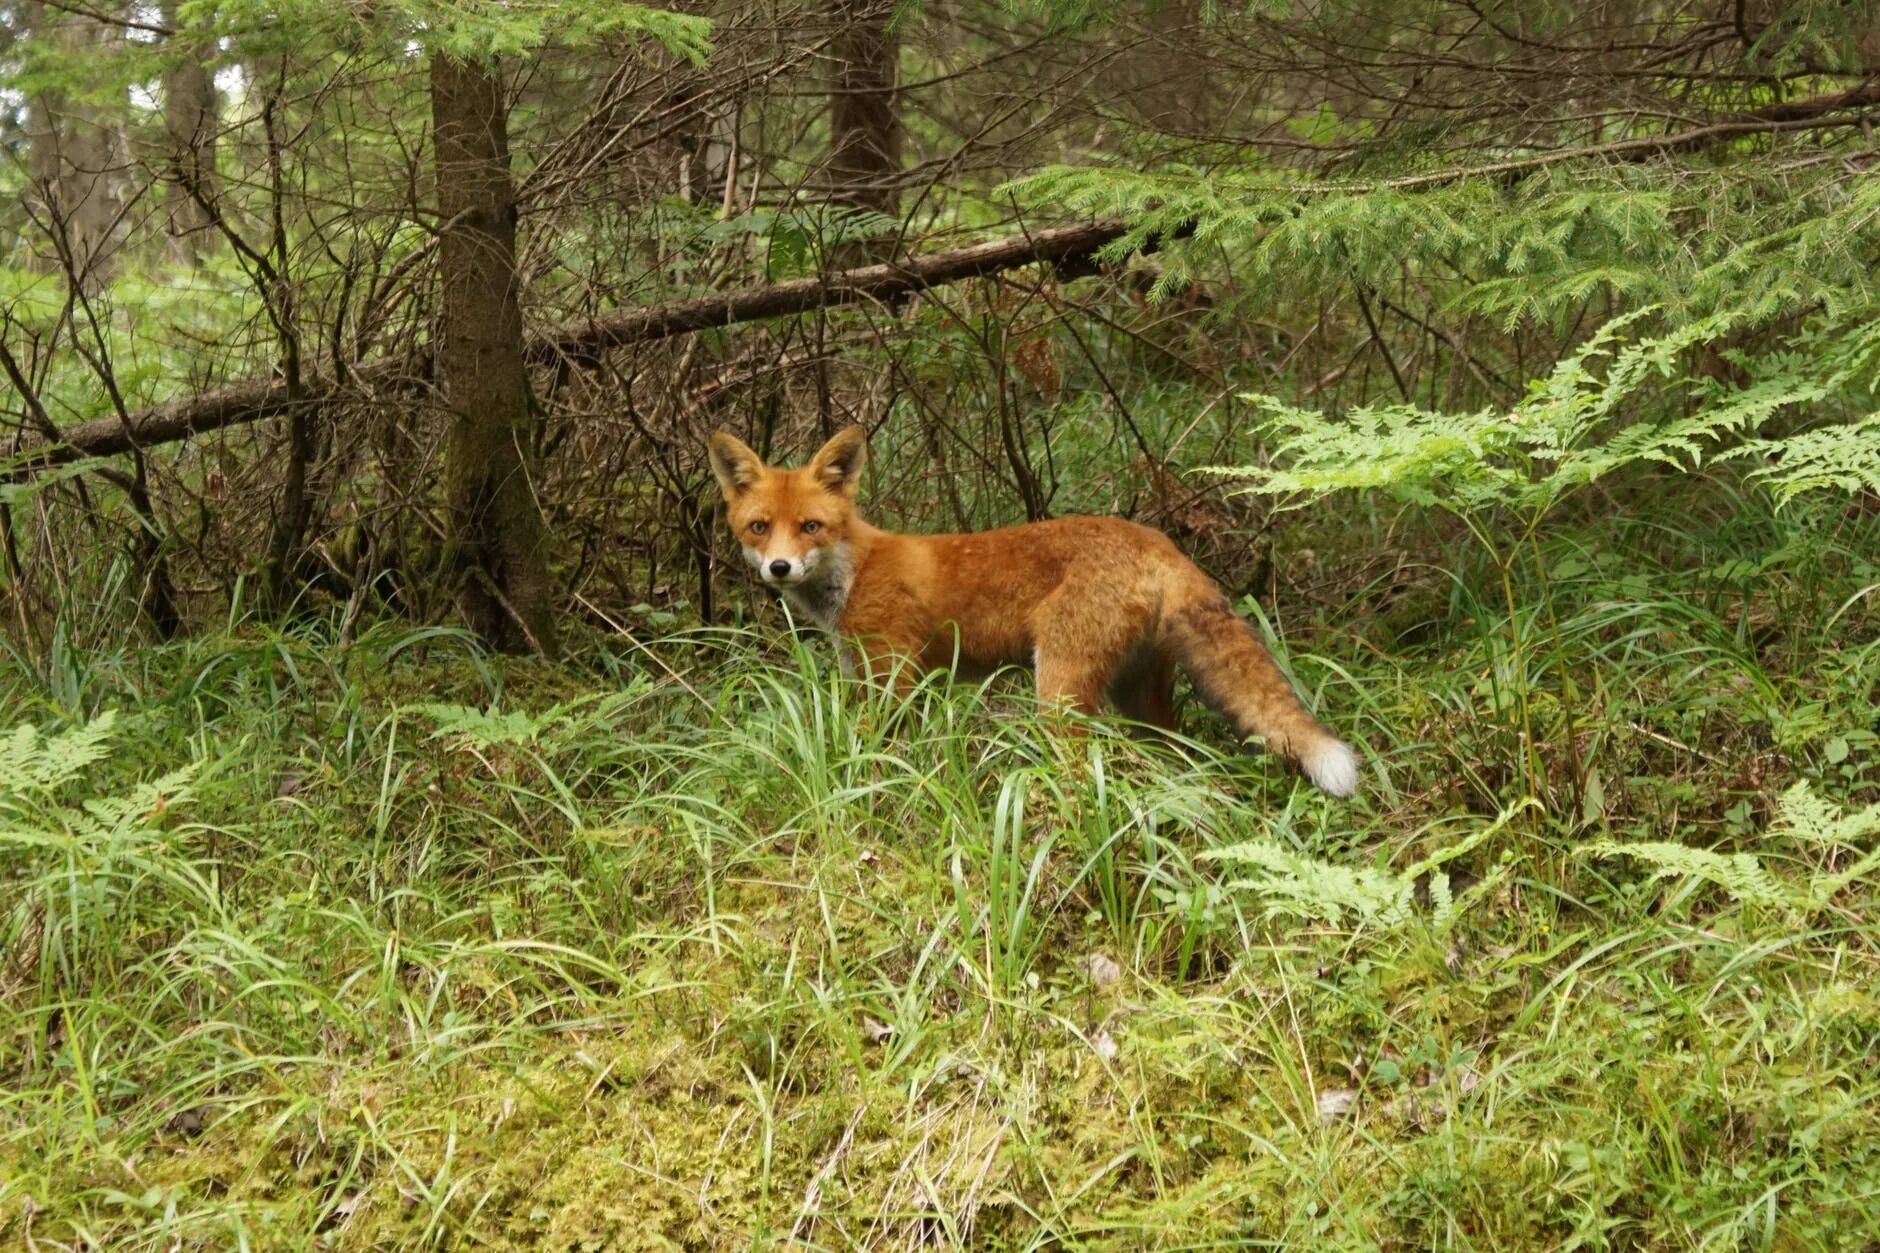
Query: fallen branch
(1823, 112)
(239, 403)
(1070, 248)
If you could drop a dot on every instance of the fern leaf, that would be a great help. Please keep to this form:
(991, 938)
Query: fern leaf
(1845, 457)
(1803, 816)
(1739, 874)
(1296, 886)
(31, 763)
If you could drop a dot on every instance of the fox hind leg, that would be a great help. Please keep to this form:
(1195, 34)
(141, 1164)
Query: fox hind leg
(1070, 682)
(1143, 689)
(1079, 655)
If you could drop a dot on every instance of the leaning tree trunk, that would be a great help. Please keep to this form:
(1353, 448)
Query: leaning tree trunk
(864, 128)
(75, 161)
(496, 558)
(189, 115)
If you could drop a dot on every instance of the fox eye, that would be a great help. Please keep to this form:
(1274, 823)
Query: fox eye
(810, 528)
(758, 528)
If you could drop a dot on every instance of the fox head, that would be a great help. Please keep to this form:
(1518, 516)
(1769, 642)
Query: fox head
(792, 524)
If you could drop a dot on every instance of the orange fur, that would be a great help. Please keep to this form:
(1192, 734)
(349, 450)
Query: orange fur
(1097, 606)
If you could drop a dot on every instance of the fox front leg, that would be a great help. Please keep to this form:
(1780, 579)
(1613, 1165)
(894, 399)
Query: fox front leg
(885, 662)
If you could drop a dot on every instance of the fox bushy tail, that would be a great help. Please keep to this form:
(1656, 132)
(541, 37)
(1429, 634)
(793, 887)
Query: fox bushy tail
(1231, 668)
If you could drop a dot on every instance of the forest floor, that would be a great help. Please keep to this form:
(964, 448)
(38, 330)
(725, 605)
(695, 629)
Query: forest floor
(694, 945)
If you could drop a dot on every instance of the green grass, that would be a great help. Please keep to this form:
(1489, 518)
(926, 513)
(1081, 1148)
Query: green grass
(695, 945)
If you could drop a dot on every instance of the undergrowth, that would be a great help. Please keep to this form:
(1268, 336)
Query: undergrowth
(692, 943)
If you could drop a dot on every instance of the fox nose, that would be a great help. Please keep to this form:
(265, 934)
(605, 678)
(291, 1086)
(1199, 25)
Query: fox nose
(779, 568)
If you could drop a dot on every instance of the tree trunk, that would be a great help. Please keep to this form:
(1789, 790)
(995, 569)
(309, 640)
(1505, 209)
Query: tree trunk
(864, 129)
(496, 558)
(289, 536)
(74, 158)
(189, 114)
(706, 137)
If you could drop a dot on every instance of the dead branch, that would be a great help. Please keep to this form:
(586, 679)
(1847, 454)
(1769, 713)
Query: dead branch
(1069, 247)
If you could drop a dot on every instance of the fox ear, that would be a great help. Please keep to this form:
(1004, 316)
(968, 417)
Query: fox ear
(734, 465)
(838, 464)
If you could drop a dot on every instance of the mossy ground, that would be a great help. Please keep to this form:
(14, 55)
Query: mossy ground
(692, 945)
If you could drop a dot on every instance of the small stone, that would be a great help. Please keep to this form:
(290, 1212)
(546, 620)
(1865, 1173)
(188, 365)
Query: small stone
(1336, 1103)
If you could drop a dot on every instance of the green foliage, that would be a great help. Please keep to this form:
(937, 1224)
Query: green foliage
(1010, 881)
(37, 773)
(1619, 402)
(1739, 874)
(1591, 416)
(488, 728)
(800, 239)
(500, 951)
(153, 326)
(1803, 818)
(1842, 458)
(1744, 241)
(1813, 819)
(17, 490)
(76, 859)
(1291, 884)
(479, 29)
(473, 30)
(33, 764)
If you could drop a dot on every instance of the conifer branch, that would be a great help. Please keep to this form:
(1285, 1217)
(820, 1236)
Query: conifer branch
(1813, 113)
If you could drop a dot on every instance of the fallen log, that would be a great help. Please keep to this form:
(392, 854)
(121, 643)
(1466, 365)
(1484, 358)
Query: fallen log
(1071, 248)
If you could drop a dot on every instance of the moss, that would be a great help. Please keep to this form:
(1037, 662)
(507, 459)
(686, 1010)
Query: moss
(640, 987)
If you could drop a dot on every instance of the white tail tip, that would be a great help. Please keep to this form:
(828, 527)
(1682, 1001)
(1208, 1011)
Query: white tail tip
(1333, 766)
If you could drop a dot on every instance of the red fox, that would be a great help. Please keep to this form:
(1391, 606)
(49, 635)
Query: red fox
(1094, 605)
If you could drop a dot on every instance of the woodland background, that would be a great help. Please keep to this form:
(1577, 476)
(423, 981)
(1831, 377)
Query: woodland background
(1512, 365)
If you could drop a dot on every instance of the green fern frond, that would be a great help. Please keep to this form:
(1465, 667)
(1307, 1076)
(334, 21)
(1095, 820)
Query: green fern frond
(34, 768)
(1577, 425)
(1845, 457)
(34, 764)
(1292, 885)
(1801, 816)
(1739, 874)
(486, 728)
